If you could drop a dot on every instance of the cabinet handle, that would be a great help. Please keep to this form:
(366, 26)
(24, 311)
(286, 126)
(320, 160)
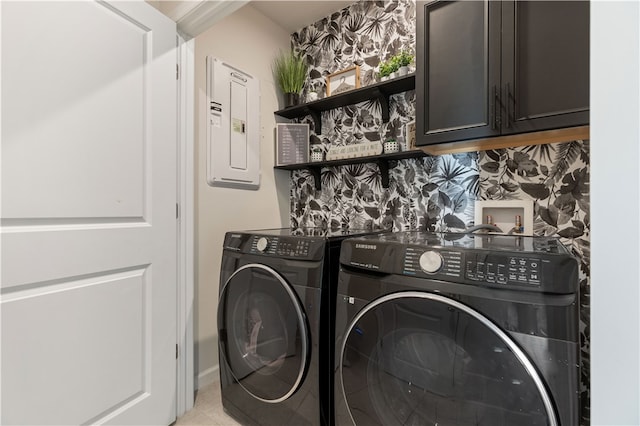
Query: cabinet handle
(509, 100)
(496, 101)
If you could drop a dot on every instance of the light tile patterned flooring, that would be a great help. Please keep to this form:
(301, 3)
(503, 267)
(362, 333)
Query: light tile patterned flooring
(207, 409)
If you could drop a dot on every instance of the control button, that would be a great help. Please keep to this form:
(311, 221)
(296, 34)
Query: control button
(430, 262)
(262, 244)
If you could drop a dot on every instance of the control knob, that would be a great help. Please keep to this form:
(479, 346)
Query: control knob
(262, 244)
(431, 262)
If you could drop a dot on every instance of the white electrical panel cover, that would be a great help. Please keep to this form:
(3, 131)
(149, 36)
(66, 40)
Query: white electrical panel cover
(233, 126)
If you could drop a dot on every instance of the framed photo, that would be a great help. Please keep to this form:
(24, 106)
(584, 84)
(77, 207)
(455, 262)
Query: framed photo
(410, 134)
(292, 143)
(343, 81)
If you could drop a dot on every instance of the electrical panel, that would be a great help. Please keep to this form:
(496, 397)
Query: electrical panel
(233, 126)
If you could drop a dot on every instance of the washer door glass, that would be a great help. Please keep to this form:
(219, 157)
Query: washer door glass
(417, 358)
(263, 333)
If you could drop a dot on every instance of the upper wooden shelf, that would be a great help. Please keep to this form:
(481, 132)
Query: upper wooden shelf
(380, 91)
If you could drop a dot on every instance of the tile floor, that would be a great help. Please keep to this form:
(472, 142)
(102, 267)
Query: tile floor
(207, 409)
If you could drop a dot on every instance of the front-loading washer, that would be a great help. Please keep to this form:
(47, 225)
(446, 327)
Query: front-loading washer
(275, 318)
(457, 329)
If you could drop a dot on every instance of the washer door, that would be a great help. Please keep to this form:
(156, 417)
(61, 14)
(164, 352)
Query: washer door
(415, 358)
(263, 333)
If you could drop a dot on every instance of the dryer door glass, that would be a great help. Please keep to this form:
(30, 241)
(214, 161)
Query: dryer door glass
(263, 333)
(415, 358)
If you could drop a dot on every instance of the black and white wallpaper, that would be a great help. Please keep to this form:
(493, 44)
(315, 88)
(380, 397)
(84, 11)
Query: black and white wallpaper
(364, 34)
(556, 178)
(430, 193)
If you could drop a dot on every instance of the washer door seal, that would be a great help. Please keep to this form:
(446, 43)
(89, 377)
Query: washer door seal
(428, 359)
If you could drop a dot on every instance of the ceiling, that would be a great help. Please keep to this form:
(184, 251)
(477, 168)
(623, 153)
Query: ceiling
(195, 16)
(295, 15)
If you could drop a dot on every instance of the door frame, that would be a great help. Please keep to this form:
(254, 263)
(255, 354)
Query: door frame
(185, 297)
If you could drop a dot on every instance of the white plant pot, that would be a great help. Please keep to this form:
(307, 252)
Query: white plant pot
(391, 146)
(403, 71)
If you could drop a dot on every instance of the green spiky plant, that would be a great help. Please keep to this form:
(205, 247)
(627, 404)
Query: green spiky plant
(290, 71)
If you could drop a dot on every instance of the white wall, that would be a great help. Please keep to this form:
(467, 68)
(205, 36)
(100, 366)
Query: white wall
(248, 40)
(615, 192)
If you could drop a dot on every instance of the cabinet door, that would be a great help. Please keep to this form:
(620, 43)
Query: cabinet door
(545, 65)
(458, 70)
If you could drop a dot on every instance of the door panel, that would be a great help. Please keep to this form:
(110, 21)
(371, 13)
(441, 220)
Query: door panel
(545, 87)
(88, 213)
(62, 108)
(111, 306)
(458, 72)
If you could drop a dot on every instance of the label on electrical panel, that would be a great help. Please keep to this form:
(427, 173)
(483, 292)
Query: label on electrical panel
(215, 106)
(238, 125)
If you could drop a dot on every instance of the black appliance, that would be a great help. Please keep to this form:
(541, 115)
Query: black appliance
(457, 329)
(275, 324)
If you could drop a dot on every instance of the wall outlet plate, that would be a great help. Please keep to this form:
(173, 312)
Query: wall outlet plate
(503, 214)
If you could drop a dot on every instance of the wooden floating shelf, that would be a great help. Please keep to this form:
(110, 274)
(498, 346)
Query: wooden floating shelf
(380, 91)
(315, 168)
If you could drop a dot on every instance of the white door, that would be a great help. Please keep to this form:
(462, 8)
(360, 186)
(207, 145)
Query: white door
(88, 213)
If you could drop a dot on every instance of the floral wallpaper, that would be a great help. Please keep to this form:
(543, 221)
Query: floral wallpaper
(556, 178)
(362, 34)
(429, 193)
(434, 193)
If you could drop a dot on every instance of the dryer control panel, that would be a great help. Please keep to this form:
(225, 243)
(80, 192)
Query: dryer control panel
(280, 246)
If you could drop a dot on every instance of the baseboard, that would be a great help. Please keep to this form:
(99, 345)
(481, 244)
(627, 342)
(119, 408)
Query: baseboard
(207, 377)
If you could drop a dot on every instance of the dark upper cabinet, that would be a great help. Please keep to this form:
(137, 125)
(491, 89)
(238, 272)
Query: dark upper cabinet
(488, 68)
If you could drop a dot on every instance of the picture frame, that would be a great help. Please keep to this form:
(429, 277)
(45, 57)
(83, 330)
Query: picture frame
(343, 81)
(410, 134)
(292, 143)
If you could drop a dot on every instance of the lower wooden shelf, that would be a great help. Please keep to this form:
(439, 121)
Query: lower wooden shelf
(315, 168)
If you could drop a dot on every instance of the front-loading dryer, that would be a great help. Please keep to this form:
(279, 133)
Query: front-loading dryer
(457, 329)
(276, 315)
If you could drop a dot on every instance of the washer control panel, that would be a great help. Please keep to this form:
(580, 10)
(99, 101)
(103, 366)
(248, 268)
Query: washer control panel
(504, 269)
(477, 267)
(535, 264)
(419, 262)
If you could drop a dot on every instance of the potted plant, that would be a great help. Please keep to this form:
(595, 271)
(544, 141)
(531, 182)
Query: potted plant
(396, 66)
(403, 60)
(386, 69)
(290, 71)
(390, 146)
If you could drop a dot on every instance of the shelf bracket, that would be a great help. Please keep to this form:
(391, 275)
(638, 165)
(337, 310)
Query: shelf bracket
(383, 166)
(383, 98)
(316, 172)
(317, 121)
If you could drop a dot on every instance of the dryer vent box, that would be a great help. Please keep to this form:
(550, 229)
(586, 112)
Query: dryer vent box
(233, 126)
(503, 214)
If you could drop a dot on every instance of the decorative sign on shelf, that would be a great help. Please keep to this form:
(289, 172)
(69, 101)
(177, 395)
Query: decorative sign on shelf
(354, 151)
(292, 143)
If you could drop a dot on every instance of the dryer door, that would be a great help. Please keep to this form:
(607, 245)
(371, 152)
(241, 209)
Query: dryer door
(263, 333)
(416, 358)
